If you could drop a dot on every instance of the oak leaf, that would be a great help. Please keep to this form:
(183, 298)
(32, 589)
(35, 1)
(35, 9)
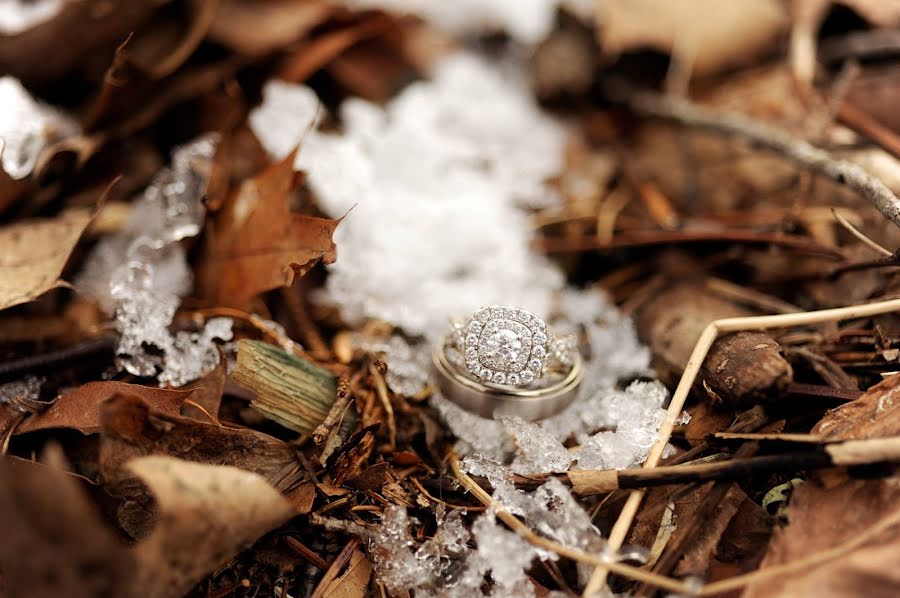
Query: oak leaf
(257, 244)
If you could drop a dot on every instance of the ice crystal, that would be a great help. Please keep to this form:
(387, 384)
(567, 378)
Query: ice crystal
(537, 450)
(444, 170)
(18, 15)
(141, 274)
(638, 413)
(27, 127)
(426, 568)
(22, 395)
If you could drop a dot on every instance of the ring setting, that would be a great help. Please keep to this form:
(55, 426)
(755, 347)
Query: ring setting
(506, 361)
(505, 345)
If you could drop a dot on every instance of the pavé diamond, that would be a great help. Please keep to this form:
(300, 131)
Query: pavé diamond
(500, 378)
(527, 376)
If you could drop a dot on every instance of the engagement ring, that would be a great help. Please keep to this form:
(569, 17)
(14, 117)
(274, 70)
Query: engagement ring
(505, 361)
(511, 346)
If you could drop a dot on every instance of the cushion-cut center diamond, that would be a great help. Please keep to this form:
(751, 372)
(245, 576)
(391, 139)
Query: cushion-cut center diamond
(504, 346)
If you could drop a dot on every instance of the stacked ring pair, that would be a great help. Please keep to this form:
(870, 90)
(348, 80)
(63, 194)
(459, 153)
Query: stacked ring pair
(504, 361)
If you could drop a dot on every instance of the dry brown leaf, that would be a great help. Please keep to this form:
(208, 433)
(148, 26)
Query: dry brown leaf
(876, 414)
(132, 429)
(54, 543)
(256, 28)
(824, 517)
(353, 582)
(33, 254)
(166, 44)
(59, 45)
(257, 244)
(80, 409)
(207, 514)
(707, 36)
(303, 497)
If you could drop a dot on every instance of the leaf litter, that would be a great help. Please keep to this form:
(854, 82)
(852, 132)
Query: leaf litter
(340, 181)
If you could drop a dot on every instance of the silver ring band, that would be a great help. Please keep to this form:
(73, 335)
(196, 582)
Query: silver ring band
(493, 401)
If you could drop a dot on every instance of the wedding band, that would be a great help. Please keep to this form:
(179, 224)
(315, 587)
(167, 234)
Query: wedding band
(510, 346)
(493, 401)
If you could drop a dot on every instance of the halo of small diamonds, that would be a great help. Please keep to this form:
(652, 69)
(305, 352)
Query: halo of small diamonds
(505, 345)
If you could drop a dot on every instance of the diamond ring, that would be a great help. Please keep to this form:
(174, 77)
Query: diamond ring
(494, 401)
(511, 346)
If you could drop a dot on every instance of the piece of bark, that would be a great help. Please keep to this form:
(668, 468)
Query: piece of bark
(741, 368)
(702, 547)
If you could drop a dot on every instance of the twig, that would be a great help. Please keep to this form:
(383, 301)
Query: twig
(858, 452)
(310, 334)
(304, 552)
(642, 238)
(331, 574)
(847, 173)
(573, 553)
(709, 335)
(859, 235)
(377, 369)
(867, 126)
(340, 525)
(336, 413)
(56, 358)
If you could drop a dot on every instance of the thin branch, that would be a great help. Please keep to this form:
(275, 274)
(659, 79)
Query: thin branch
(532, 538)
(684, 112)
(859, 235)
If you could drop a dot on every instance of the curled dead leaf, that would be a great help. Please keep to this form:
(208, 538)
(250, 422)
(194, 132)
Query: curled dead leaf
(133, 429)
(87, 26)
(207, 514)
(80, 409)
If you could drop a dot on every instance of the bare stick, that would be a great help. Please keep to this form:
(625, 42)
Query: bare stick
(847, 173)
(626, 517)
